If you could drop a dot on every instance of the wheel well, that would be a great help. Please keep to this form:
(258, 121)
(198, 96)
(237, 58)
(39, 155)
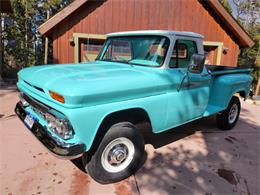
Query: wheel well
(242, 94)
(133, 115)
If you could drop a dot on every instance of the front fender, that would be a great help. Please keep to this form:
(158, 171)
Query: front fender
(87, 120)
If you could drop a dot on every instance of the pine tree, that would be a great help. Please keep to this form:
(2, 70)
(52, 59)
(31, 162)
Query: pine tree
(227, 5)
(23, 45)
(248, 15)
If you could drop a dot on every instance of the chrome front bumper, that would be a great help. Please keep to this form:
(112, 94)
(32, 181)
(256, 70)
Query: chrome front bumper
(58, 147)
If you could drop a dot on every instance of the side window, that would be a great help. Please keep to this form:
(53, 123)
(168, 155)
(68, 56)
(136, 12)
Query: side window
(182, 52)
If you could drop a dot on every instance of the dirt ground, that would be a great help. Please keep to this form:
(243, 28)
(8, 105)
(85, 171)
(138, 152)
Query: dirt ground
(196, 158)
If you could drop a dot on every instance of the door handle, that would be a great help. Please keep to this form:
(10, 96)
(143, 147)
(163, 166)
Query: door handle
(182, 80)
(204, 75)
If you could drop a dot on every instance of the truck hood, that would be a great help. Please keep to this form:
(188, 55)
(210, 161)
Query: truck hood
(92, 83)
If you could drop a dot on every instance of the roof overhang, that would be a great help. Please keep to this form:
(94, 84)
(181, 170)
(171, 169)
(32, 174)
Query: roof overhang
(60, 16)
(242, 36)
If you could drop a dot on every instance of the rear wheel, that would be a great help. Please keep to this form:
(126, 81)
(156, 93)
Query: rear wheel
(118, 156)
(227, 119)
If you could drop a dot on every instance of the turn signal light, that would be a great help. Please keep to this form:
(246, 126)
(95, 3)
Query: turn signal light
(57, 96)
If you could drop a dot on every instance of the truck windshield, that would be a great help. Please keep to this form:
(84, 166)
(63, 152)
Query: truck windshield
(137, 50)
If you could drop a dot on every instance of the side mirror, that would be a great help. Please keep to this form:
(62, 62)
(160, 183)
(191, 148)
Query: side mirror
(197, 63)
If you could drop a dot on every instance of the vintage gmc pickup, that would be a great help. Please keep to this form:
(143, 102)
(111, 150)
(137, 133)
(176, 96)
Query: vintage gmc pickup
(91, 110)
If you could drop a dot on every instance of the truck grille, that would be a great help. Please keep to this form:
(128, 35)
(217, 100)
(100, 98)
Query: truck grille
(40, 107)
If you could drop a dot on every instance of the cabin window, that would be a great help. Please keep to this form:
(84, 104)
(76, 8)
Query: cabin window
(182, 52)
(212, 52)
(87, 46)
(89, 49)
(118, 50)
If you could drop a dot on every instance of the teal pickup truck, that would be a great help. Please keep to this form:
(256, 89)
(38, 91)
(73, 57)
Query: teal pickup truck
(91, 110)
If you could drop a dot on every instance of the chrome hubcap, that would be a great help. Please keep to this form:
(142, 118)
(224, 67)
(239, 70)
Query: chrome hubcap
(117, 155)
(233, 113)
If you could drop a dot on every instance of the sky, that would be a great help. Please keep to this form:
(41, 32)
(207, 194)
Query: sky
(233, 6)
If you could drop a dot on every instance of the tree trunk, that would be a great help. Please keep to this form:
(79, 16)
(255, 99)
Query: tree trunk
(257, 87)
(46, 50)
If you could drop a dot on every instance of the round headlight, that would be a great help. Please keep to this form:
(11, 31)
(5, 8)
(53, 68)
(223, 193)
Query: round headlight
(59, 126)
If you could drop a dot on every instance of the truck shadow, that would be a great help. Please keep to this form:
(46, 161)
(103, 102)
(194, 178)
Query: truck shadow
(199, 158)
(177, 133)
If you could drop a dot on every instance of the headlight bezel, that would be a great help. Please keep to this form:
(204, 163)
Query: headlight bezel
(59, 126)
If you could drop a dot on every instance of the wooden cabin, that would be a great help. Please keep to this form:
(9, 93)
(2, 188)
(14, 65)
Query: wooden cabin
(78, 31)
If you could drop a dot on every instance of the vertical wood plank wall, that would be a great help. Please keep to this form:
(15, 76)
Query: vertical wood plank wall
(102, 17)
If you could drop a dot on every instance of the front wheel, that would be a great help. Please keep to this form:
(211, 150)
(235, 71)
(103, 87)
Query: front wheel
(227, 119)
(118, 155)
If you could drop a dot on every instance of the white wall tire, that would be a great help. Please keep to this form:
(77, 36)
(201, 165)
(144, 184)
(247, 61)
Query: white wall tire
(118, 155)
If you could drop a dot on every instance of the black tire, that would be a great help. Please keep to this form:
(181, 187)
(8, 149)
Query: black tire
(223, 121)
(95, 165)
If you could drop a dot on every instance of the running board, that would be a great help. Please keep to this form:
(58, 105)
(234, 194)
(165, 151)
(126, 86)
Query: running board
(212, 110)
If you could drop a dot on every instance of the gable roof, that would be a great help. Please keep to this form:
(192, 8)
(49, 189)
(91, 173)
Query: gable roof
(60, 16)
(244, 40)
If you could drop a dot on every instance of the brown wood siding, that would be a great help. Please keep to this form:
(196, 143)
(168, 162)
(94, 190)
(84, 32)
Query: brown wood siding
(123, 15)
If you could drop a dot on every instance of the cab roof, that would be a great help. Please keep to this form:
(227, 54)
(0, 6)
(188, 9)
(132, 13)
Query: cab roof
(156, 32)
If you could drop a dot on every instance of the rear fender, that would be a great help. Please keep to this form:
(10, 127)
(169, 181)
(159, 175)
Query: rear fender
(225, 86)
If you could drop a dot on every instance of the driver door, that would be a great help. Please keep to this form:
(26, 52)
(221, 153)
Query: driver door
(188, 96)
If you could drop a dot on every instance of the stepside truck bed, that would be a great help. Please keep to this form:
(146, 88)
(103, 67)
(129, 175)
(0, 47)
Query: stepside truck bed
(226, 81)
(217, 70)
